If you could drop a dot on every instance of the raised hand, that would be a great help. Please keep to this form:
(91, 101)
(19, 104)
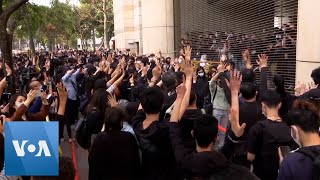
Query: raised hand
(245, 55)
(222, 68)
(156, 72)
(8, 69)
(30, 97)
(246, 58)
(235, 124)
(188, 69)
(187, 53)
(235, 81)
(263, 60)
(112, 100)
(62, 92)
(300, 89)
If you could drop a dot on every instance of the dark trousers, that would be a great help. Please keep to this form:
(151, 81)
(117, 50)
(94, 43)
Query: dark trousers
(64, 122)
(72, 110)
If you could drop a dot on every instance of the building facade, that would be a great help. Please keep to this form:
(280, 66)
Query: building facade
(284, 29)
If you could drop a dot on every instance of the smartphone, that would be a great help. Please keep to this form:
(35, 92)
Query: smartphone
(9, 79)
(1, 120)
(5, 97)
(39, 93)
(285, 150)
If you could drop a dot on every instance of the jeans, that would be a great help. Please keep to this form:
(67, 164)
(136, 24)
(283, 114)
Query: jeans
(223, 120)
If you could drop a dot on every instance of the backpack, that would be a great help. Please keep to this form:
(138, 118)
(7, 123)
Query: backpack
(271, 141)
(83, 136)
(314, 154)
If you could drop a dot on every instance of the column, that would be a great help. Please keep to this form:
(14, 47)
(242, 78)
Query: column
(308, 39)
(158, 27)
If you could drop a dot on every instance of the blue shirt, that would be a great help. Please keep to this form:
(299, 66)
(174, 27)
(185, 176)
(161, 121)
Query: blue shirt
(297, 166)
(67, 81)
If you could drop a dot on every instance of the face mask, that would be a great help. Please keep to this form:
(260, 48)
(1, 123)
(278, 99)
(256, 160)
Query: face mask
(202, 64)
(18, 104)
(201, 74)
(263, 109)
(297, 139)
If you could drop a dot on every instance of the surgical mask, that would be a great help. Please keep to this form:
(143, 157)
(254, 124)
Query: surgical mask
(202, 64)
(18, 104)
(297, 139)
(263, 109)
(201, 74)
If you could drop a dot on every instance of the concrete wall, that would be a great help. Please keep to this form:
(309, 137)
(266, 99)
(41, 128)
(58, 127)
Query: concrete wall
(158, 26)
(124, 26)
(308, 40)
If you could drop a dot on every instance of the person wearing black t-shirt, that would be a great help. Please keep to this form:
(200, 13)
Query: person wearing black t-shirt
(204, 163)
(235, 147)
(265, 137)
(153, 136)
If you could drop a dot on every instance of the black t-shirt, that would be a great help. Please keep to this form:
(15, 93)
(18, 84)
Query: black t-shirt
(249, 113)
(186, 125)
(158, 161)
(264, 139)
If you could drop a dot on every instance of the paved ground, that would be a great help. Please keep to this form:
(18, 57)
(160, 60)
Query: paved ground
(80, 154)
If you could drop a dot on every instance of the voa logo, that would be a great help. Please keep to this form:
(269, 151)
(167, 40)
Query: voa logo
(41, 148)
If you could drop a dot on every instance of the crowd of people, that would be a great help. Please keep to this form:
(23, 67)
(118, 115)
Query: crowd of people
(151, 117)
(278, 43)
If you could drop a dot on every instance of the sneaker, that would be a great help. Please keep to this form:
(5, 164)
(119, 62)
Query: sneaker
(70, 140)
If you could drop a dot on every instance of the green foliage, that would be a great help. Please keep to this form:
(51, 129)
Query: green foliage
(65, 23)
(91, 15)
(49, 23)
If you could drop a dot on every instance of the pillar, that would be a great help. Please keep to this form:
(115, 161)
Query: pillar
(158, 27)
(308, 39)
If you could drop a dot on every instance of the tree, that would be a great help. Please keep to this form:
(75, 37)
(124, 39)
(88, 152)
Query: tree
(7, 8)
(28, 26)
(49, 25)
(101, 12)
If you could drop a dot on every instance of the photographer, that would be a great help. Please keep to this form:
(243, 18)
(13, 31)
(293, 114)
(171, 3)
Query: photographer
(69, 81)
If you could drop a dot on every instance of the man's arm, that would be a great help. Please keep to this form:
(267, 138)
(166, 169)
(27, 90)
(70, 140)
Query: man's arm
(140, 117)
(67, 76)
(263, 64)
(188, 70)
(234, 85)
(224, 85)
(77, 72)
(254, 141)
(175, 134)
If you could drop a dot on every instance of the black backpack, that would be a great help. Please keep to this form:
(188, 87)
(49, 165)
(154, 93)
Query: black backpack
(274, 135)
(82, 134)
(314, 154)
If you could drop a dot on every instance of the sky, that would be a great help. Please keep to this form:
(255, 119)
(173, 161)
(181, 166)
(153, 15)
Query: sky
(47, 2)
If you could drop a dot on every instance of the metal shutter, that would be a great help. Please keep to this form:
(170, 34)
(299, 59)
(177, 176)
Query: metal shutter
(245, 23)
